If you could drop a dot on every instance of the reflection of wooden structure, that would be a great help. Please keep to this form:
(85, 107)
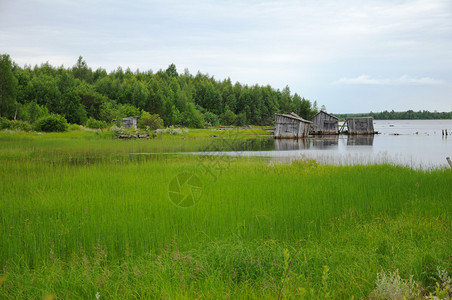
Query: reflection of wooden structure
(325, 141)
(359, 125)
(289, 126)
(291, 144)
(324, 123)
(360, 140)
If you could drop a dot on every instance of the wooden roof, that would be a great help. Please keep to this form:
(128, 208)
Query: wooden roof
(326, 114)
(351, 118)
(294, 116)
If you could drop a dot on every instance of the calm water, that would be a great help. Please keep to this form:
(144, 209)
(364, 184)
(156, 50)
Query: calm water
(414, 143)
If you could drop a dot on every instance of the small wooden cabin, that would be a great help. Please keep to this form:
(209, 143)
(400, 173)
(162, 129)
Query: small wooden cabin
(291, 126)
(360, 125)
(324, 123)
(130, 122)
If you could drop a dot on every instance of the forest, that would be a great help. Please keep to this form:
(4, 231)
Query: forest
(402, 115)
(82, 96)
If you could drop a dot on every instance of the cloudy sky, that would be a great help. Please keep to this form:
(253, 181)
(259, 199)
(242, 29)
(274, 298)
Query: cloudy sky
(350, 55)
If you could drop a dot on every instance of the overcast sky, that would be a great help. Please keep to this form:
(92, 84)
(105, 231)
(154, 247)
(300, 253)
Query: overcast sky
(350, 55)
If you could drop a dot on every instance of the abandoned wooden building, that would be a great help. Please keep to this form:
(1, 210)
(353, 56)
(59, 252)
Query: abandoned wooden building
(360, 125)
(324, 123)
(130, 122)
(289, 126)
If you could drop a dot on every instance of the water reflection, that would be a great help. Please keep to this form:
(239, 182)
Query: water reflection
(360, 140)
(239, 144)
(291, 144)
(325, 142)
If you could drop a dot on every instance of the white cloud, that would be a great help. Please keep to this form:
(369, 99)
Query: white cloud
(405, 79)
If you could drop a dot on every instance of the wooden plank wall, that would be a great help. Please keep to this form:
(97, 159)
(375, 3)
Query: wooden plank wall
(324, 124)
(360, 126)
(290, 128)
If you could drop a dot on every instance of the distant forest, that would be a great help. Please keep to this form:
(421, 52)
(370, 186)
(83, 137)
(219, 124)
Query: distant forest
(403, 115)
(166, 97)
(80, 94)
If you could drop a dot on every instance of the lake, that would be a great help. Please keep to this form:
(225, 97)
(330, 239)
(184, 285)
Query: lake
(412, 143)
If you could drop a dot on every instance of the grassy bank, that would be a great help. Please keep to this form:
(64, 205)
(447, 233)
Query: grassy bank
(77, 227)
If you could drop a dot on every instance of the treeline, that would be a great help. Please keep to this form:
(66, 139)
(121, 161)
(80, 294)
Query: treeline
(402, 115)
(80, 94)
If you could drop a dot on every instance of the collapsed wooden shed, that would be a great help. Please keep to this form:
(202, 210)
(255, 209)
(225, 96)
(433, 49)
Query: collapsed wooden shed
(360, 125)
(130, 122)
(291, 126)
(324, 123)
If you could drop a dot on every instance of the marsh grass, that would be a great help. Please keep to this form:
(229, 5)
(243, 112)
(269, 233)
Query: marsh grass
(80, 216)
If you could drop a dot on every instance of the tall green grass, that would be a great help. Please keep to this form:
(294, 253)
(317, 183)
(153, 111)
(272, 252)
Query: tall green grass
(73, 228)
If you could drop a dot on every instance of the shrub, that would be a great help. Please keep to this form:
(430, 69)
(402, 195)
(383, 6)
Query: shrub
(152, 121)
(391, 286)
(229, 117)
(174, 131)
(116, 129)
(74, 127)
(211, 119)
(18, 124)
(21, 125)
(95, 124)
(51, 123)
(5, 123)
(241, 119)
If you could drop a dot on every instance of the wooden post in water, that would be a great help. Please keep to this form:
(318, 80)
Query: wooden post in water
(449, 161)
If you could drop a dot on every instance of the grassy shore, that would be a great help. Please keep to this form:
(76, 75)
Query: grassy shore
(79, 216)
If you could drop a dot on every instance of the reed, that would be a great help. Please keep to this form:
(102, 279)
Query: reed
(79, 216)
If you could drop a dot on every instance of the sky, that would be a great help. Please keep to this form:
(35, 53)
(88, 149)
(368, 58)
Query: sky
(350, 55)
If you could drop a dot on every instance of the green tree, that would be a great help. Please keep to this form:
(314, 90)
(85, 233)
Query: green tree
(229, 117)
(8, 83)
(31, 111)
(81, 70)
(44, 90)
(171, 71)
(72, 108)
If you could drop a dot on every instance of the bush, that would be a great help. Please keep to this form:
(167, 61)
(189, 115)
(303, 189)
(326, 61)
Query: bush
(174, 131)
(74, 127)
(391, 286)
(95, 124)
(241, 119)
(116, 129)
(52, 123)
(21, 125)
(229, 117)
(5, 123)
(152, 121)
(211, 119)
(18, 125)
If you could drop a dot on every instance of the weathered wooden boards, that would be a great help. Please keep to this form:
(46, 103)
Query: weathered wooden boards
(360, 125)
(290, 126)
(324, 123)
(130, 122)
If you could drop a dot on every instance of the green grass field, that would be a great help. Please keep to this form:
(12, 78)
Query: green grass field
(79, 216)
